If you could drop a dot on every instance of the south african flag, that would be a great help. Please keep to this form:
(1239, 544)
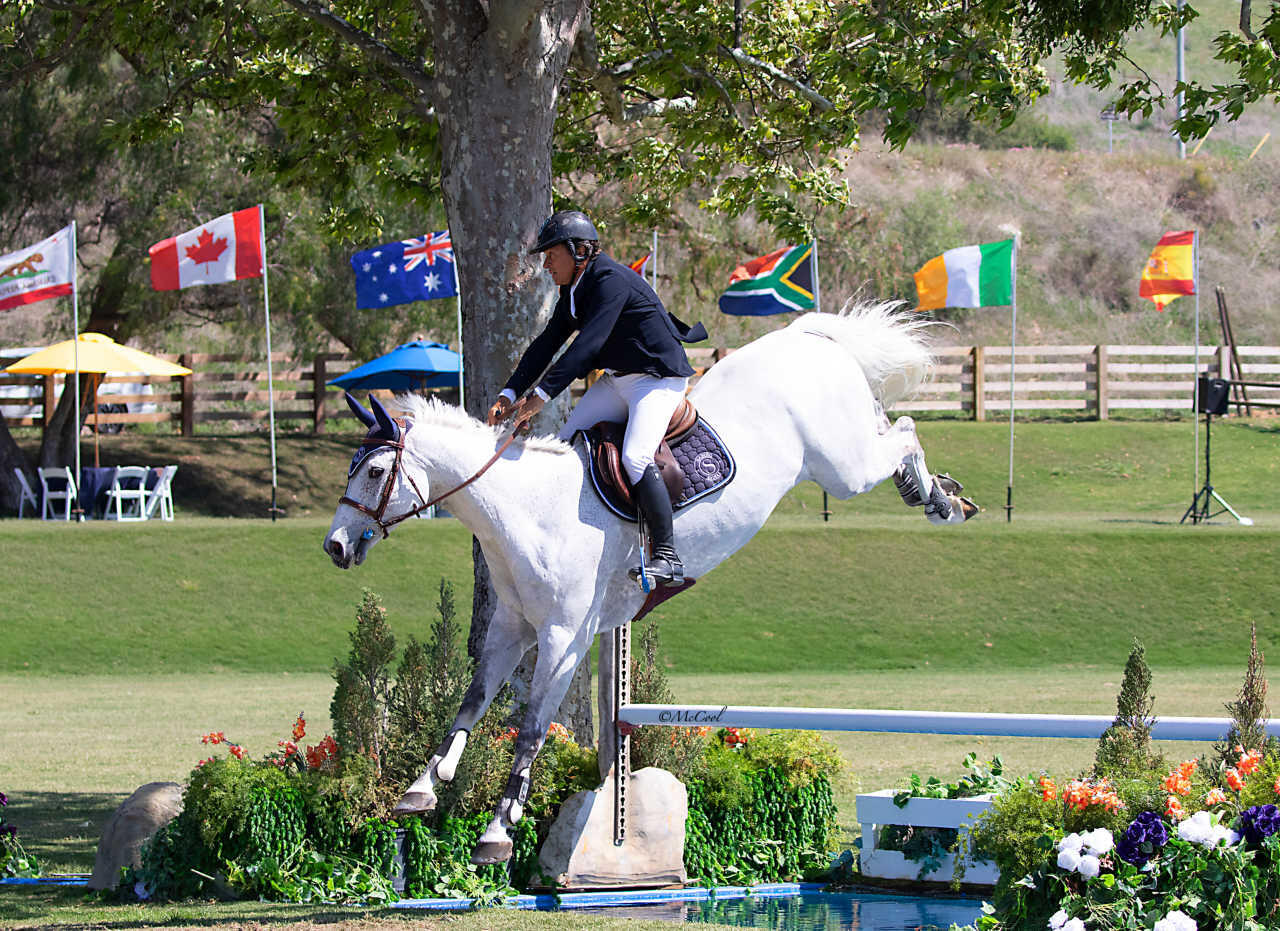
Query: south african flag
(776, 283)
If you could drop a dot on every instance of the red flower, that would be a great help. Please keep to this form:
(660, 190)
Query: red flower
(1233, 779)
(214, 737)
(299, 727)
(1249, 762)
(290, 748)
(1173, 808)
(1048, 790)
(238, 751)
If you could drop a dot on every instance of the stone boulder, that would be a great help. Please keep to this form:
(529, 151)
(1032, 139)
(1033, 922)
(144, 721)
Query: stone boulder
(139, 816)
(579, 852)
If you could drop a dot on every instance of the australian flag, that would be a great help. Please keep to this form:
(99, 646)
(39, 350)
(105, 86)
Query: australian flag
(404, 271)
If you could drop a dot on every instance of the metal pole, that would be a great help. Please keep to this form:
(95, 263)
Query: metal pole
(1195, 375)
(271, 395)
(655, 260)
(1182, 146)
(1013, 355)
(75, 335)
(817, 287)
(462, 394)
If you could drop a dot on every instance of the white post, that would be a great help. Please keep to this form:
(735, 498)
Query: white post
(1195, 375)
(1013, 357)
(462, 396)
(75, 335)
(271, 395)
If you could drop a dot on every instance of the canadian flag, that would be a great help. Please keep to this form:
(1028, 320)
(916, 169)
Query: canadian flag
(225, 249)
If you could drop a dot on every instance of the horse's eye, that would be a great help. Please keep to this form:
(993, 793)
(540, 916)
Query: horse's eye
(376, 471)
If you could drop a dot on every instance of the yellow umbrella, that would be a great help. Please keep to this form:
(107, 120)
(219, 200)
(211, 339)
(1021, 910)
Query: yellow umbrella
(98, 354)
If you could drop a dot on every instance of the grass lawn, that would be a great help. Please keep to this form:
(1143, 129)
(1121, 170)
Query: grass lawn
(122, 644)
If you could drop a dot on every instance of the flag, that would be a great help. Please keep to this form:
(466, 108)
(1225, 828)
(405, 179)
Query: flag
(968, 276)
(638, 265)
(226, 249)
(37, 273)
(776, 283)
(419, 269)
(1170, 271)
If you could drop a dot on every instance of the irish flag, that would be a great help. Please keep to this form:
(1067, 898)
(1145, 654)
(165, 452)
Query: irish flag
(968, 276)
(1170, 272)
(772, 284)
(225, 249)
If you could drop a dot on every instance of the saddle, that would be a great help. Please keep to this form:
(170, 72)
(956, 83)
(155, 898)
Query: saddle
(692, 460)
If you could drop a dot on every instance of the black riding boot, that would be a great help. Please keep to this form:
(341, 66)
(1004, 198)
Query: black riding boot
(651, 496)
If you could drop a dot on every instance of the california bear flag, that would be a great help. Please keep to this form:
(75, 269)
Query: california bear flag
(225, 249)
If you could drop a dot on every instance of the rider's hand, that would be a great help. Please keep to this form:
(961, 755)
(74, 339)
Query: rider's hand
(528, 408)
(500, 411)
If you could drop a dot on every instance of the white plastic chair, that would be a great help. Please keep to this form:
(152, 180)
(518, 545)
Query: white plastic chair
(161, 496)
(127, 499)
(25, 492)
(56, 484)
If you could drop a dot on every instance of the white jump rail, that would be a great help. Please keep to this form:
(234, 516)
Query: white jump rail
(986, 724)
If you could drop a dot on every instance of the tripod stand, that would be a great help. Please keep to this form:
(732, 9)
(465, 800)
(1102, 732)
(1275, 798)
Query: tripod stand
(1199, 509)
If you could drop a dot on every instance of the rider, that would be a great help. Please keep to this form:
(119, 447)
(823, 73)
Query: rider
(624, 330)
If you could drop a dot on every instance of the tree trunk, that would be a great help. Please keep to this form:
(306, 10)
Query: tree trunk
(498, 75)
(11, 457)
(58, 445)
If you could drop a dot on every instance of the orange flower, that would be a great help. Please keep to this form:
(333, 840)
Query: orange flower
(1173, 808)
(299, 727)
(1215, 797)
(1187, 768)
(559, 731)
(1048, 790)
(1276, 786)
(214, 737)
(735, 737)
(238, 751)
(1233, 779)
(1176, 783)
(1249, 762)
(290, 748)
(509, 734)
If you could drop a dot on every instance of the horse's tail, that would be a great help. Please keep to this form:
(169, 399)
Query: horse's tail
(886, 341)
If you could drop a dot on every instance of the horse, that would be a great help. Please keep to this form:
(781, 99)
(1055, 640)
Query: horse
(806, 402)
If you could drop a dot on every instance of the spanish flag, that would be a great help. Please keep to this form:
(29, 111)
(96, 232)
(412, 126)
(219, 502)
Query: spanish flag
(639, 265)
(1170, 272)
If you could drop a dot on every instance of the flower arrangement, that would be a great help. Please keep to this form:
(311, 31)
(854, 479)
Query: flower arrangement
(14, 860)
(287, 753)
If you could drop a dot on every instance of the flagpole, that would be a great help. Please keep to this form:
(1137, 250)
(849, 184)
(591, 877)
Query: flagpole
(1013, 355)
(271, 395)
(655, 260)
(817, 288)
(1195, 375)
(75, 336)
(462, 397)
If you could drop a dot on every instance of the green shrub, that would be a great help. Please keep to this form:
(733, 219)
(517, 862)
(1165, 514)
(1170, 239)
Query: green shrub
(173, 863)
(1125, 747)
(359, 706)
(678, 750)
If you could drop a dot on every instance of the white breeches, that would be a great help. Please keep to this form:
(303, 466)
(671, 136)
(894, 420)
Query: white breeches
(645, 402)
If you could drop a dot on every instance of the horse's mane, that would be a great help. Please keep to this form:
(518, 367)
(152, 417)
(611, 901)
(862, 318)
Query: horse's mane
(434, 412)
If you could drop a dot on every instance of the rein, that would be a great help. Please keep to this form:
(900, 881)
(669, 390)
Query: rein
(398, 446)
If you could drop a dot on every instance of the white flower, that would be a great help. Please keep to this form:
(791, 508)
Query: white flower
(1075, 924)
(1176, 921)
(1069, 859)
(1203, 829)
(1089, 866)
(1057, 920)
(1072, 841)
(1098, 842)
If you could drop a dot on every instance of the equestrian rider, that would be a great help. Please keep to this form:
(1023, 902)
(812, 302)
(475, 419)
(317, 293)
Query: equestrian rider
(624, 330)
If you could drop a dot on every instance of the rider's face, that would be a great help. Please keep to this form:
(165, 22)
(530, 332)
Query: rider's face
(558, 260)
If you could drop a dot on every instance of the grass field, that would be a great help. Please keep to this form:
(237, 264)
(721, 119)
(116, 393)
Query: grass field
(122, 644)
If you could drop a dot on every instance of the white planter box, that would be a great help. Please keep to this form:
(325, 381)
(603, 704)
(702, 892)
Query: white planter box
(878, 809)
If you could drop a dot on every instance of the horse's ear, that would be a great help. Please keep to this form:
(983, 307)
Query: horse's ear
(386, 425)
(366, 416)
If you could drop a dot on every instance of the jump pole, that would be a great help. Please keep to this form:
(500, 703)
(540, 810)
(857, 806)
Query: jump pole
(984, 724)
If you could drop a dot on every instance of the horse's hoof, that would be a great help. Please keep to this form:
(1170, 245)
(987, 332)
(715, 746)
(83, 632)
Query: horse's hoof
(487, 852)
(968, 508)
(415, 803)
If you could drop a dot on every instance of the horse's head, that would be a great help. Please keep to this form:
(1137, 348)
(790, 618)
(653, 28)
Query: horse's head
(379, 493)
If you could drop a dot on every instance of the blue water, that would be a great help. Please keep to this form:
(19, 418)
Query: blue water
(813, 911)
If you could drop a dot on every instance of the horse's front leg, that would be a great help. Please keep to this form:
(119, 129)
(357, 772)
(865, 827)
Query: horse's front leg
(560, 650)
(941, 497)
(506, 641)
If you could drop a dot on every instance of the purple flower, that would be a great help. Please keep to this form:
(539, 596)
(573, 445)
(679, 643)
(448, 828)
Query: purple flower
(1259, 822)
(1142, 839)
(9, 829)
(4, 800)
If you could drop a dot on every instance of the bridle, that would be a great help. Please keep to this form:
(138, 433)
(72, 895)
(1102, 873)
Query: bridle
(379, 514)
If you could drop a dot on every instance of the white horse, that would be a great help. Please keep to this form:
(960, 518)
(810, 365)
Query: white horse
(802, 403)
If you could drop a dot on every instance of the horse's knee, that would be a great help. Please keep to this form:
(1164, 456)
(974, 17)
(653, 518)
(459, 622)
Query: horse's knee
(449, 754)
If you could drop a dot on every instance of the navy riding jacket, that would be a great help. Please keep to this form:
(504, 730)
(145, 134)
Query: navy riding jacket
(622, 327)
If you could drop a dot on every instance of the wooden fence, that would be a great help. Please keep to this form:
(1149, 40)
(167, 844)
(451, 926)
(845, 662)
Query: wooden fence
(970, 381)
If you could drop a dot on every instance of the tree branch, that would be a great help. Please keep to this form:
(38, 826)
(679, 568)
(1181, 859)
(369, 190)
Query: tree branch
(380, 51)
(803, 89)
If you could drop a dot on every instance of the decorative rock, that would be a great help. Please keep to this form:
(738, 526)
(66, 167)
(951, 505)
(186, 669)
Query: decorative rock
(139, 816)
(579, 852)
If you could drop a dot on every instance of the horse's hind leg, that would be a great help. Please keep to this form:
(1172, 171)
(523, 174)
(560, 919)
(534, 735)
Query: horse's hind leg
(560, 650)
(506, 641)
(942, 501)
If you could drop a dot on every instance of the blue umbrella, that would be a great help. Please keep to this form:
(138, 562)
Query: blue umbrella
(409, 367)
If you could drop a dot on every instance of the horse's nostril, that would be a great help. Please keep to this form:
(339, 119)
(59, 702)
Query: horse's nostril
(335, 548)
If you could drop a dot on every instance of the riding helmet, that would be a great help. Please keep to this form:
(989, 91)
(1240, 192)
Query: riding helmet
(562, 227)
